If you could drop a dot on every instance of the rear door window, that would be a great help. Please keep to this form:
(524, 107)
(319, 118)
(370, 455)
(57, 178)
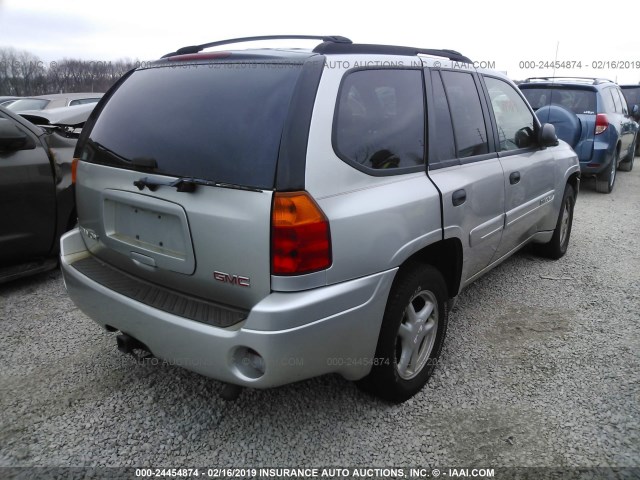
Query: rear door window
(621, 101)
(466, 112)
(444, 145)
(218, 122)
(609, 105)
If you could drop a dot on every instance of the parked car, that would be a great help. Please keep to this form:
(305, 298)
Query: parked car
(590, 114)
(632, 96)
(298, 220)
(37, 204)
(57, 100)
(67, 121)
(6, 100)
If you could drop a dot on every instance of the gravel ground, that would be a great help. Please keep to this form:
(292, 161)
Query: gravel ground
(541, 367)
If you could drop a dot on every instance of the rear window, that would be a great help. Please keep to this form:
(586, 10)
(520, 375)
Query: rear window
(218, 122)
(577, 101)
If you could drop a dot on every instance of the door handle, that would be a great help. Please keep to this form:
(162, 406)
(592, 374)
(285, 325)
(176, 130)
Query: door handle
(459, 197)
(514, 178)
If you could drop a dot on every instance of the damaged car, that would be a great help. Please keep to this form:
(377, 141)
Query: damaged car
(37, 200)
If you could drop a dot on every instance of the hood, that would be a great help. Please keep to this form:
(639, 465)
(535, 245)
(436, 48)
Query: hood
(75, 115)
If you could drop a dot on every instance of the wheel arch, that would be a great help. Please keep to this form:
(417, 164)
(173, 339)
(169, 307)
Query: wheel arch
(574, 181)
(446, 256)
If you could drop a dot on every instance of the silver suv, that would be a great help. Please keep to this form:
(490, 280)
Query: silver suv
(266, 216)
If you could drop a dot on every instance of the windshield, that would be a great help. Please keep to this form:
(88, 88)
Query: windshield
(27, 104)
(576, 100)
(219, 122)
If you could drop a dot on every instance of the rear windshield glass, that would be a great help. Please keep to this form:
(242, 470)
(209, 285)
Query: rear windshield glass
(218, 122)
(577, 101)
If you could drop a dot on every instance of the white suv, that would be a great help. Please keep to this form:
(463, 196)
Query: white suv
(266, 216)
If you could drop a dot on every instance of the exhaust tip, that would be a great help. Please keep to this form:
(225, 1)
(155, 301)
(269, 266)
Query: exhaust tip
(248, 363)
(127, 344)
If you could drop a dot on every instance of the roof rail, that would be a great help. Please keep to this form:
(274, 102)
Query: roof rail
(199, 48)
(332, 44)
(593, 80)
(333, 47)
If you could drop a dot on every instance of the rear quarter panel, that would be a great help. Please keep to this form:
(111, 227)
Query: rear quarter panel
(376, 222)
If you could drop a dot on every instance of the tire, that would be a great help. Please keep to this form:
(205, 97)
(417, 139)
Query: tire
(627, 165)
(567, 124)
(72, 222)
(607, 179)
(412, 334)
(557, 246)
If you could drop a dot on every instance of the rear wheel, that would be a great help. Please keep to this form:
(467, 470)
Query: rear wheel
(606, 180)
(557, 246)
(411, 336)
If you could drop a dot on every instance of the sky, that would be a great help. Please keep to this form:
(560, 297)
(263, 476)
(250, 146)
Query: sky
(522, 38)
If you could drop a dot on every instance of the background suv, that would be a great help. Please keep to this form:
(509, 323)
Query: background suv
(266, 216)
(591, 115)
(632, 96)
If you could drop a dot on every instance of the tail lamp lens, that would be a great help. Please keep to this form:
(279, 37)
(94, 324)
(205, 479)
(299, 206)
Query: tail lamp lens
(300, 236)
(602, 122)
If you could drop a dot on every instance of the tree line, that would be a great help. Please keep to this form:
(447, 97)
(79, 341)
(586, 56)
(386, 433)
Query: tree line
(25, 74)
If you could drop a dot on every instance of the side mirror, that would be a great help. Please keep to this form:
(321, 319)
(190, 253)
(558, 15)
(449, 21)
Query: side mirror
(11, 137)
(635, 110)
(548, 137)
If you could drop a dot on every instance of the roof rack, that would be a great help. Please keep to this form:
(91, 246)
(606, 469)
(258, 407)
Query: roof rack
(199, 48)
(592, 80)
(364, 48)
(332, 44)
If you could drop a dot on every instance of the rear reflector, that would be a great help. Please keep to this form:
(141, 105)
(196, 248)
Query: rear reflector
(74, 169)
(602, 122)
(300, 236)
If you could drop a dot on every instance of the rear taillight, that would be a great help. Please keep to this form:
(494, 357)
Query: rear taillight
(300, 236)
(602, 122)
(74, 169)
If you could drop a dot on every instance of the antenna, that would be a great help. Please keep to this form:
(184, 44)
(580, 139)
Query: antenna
(555, 62)
(553, 80)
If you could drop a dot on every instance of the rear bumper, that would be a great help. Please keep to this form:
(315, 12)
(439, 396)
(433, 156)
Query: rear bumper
(600, 159)
(299, 335)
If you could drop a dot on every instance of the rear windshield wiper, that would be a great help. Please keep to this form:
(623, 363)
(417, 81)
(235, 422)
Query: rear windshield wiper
(113, 155)
(187, 184)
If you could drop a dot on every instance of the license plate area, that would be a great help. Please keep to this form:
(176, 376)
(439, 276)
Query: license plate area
(136, 224)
